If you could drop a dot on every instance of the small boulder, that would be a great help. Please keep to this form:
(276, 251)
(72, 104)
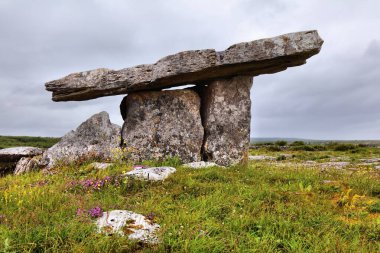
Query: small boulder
(151, 173)
(27, 164)
(100, 166)
(261, 158)
(201, 165)
(94, 138)
(123, 222)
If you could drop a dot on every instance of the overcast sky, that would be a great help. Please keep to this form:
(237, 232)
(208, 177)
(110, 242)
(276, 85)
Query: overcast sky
(336, 95)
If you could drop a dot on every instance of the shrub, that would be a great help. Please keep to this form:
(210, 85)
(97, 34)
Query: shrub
(281, 143)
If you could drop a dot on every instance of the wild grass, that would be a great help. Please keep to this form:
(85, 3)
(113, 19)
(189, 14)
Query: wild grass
(16, 141)
(254, 208)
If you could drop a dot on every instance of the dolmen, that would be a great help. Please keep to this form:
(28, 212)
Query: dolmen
(207, 122)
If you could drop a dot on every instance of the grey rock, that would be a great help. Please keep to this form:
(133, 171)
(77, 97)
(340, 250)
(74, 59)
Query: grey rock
(334, 164)
(226, 116)
(151, 173)
(27, 164)
(16, 153)
(100, 166)
(264, 56)
(261, 158)
(162, 124)
(200, 165)
(95, 138)
(370, 160)
(137, 226)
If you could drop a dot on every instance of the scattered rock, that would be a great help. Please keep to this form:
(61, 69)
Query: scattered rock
(27, 164)
(377, 167)
(261, 158)
(15, 154)
(127, 223)
(200, 165)
(152, 173)
(226, 117)
(162, 124)
(94, 138)
(371, 160)
(265, 56)
(334, 164)
(100, 166)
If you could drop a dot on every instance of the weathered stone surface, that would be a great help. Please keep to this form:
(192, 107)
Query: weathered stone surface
(162, 124)
(200, 165)
(100, 166)
(15, 154)
(123, 222)
(248, 58)
(226, 116)
(94, 138)
(26, 164)
(261, 158)
(151, 173)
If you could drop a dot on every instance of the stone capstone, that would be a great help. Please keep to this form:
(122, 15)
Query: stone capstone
(226, 117)
(122, 222)
(264, 56)
(10, 158)
(163, 124)
(16, 153)
(151, 173)
(95, 138)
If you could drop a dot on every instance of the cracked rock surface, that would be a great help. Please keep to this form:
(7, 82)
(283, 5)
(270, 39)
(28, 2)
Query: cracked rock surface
(94, 138)
(162, 124)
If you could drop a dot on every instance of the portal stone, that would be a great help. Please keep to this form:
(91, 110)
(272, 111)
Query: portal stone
(162, 124)
(226, 116)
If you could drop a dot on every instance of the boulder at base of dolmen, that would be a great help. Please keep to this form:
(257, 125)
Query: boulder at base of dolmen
(10, 157)
(95, 138)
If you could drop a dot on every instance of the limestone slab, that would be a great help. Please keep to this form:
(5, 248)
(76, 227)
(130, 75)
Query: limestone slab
(163, 124)
(264, 56)
(226, 117)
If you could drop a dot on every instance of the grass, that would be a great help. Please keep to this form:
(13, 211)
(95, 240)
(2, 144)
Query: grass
(261, 207)
(15, 141)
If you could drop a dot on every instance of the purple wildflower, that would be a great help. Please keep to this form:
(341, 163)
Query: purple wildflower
(96, 212)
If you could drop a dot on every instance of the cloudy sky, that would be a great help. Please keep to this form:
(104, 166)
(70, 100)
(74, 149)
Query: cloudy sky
(336, 95)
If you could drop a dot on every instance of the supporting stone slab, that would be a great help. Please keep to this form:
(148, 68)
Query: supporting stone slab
(162, 124)
(226, 117)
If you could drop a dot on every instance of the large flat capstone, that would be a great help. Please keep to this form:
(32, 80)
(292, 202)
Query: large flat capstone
(162, 124)
(252, 58)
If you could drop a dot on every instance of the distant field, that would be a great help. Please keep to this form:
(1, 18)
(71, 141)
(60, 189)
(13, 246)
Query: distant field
(15, 141)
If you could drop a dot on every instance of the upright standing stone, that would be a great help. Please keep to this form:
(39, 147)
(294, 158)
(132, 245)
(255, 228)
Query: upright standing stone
(161, 124)
(226, 115)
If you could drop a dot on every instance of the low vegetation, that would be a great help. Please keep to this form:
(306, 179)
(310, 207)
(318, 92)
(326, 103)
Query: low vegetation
(16, 141)
(266, 206)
